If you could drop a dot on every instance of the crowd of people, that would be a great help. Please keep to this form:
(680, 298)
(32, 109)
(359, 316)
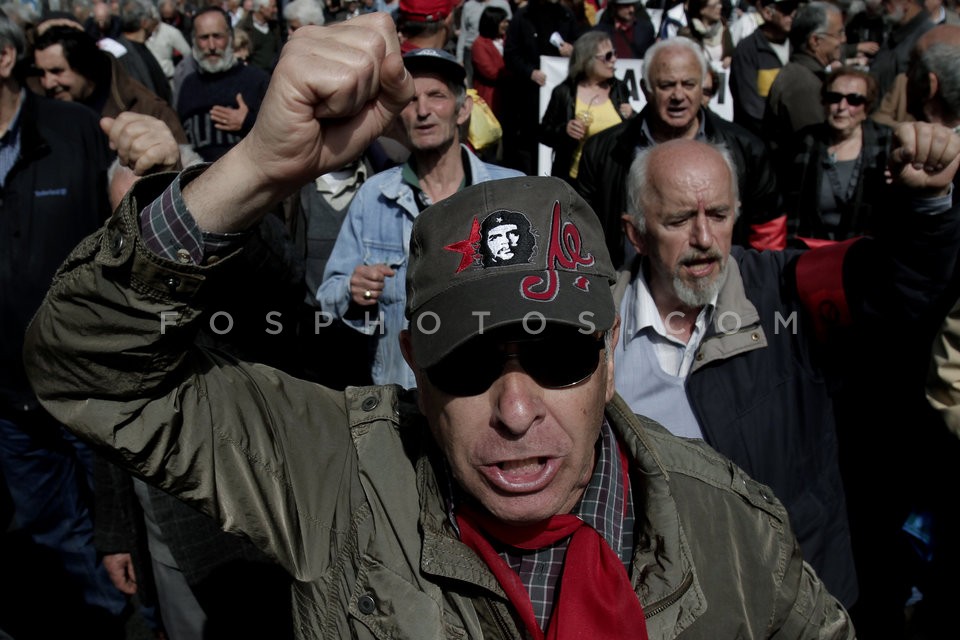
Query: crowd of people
(352, 374)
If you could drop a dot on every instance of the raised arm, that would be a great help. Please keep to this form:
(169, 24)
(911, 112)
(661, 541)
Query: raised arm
(334, 90)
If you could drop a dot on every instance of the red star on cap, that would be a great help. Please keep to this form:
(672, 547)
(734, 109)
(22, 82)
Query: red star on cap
(467, 247)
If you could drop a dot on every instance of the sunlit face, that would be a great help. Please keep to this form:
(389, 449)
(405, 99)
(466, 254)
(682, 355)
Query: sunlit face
(690, 213)
(431, 119)
(843, 116)
(58, 79)
(525, 452)
(269, 12)
(828, 45)
(676, 80)
(212, 48)
(602, 67)
(710, 13)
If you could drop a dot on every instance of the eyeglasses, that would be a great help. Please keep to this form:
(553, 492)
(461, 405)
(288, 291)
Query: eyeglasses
(554, 362)
(607, 57)
(853, 99)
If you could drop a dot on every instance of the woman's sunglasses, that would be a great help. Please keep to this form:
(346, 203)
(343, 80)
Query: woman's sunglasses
(560, 360)
(853, 99)
(607, 57)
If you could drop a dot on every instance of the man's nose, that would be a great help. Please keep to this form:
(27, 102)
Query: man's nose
(48, 81)
(701, 235)
(518, 400)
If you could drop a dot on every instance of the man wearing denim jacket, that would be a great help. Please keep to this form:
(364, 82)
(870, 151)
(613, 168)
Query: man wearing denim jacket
(363, 284)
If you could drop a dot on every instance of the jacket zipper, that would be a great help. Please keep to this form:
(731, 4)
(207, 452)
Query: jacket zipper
(505, 630)
(662, 605)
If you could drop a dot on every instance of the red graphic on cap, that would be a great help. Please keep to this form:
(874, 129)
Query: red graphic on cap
(564, 252)
(582, 283)
(468, 247)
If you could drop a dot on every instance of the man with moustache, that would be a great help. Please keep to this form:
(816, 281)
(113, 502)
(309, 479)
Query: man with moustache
(218, 103)
(363, 284)
(729, 345)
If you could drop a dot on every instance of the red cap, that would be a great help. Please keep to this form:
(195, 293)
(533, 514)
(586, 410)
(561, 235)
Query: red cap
(425, 10)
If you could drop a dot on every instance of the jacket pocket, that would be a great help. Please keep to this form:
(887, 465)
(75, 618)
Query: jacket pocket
(384, 605)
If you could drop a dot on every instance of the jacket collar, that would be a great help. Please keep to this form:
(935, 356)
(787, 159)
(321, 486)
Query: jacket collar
(394, 188)
(634, 134)
(807, 61)
(735, 325)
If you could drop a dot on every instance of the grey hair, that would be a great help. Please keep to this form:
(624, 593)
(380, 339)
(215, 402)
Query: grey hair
(260, 4)
(678, 42)
(134, 12)
(584, 49)
(639, 175)
(811, 19)
(11, 35)
(304, 11)
(22, 14)
(940, 59)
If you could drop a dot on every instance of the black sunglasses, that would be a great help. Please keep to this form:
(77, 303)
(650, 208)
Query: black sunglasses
(853, 99)
(561, 359)
(607, 57)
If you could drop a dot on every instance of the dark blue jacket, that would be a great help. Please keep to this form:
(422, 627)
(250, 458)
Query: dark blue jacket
(54, 196)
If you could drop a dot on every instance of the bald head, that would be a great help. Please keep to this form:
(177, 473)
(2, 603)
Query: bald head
(662, 167)
(945, 33)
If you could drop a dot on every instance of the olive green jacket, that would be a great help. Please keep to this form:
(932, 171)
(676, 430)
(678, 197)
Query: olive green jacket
(344, 489)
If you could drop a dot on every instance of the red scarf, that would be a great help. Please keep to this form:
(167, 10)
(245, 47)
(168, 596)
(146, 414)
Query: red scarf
(597, 602)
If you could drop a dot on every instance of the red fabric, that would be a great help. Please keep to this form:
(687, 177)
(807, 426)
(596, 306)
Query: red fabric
(597, 602)
(815, 243)
(770, 235)
(488, 70)
(425, 10)
(820, 286)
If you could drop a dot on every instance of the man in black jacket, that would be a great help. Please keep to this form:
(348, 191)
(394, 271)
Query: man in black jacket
(53, 161)
(673, 84)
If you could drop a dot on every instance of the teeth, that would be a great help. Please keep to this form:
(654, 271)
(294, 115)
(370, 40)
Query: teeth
(519, 465)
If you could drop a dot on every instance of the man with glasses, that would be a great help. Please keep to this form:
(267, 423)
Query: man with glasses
(816, 36)
(757, 60)
(514, 493)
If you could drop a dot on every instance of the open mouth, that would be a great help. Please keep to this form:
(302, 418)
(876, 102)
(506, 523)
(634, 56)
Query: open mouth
(523, 475)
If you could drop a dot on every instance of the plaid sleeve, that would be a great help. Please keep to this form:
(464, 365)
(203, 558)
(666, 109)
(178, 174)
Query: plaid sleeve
(169, 230)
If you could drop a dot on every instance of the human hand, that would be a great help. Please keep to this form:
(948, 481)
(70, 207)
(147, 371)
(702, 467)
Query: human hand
(566, 49)
(539, 77)
(367, 283)
(230, 118)
(119, 567)
(575, 129)
(625, 110)
(868, 48)
(142, 142)
(334, 90)
(924, 156)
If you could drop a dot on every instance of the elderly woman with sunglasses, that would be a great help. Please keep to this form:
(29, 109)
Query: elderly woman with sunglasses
(590, 100)
(836, 175)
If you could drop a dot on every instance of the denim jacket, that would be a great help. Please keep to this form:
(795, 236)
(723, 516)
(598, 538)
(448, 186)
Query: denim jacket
(377, 230)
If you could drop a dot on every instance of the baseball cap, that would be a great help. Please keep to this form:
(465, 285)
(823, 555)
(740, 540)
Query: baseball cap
(425, 10)
(435, 61)
(525, 250)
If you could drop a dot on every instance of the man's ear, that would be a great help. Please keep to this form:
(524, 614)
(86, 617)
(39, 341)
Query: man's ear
(465, 110)
(406, 348)
(934, 84)
(633, 234)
